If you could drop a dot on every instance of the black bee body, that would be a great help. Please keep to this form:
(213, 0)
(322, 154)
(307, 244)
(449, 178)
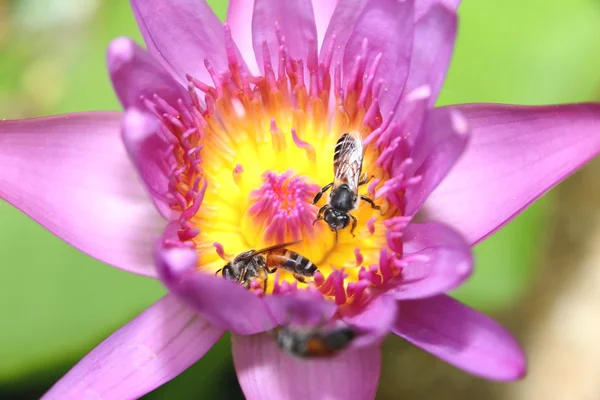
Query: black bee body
(313, 342)
(347, 169)
(258, 264)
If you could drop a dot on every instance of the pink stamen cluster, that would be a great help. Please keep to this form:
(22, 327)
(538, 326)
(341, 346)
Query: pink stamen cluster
(283, 207)
(361, 90)
(182, 127)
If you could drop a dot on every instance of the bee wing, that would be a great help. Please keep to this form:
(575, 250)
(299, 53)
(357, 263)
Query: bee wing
(347, 160)
(267, 249)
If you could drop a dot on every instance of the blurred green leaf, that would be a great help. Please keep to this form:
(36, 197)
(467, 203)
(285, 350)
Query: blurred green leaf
(57, 301)
(535, 52)
(506, 262)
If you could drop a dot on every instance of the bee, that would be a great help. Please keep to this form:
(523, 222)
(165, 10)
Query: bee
(347, 177)
(311, 342)
(253, 264)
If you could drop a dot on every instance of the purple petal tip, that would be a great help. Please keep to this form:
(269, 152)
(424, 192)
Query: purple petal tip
(120, 51)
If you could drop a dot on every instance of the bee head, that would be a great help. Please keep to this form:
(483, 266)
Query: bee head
(336, 219)
(225, 272)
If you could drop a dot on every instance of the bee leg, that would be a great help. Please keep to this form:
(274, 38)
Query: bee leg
(364, 180)
(322, 192)
(219, 270)
(372, 203)
(242, 278)
(354, 222)
(320, 214)
(263, 273)
(300, 278)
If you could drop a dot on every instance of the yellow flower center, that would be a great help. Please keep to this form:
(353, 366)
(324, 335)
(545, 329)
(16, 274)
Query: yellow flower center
(249, 159)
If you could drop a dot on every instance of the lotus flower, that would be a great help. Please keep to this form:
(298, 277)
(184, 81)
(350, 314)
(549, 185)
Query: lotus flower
(229, 131)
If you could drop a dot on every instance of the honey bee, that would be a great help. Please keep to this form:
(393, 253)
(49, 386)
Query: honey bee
(347, 177)
(311, 342)
(258, 264)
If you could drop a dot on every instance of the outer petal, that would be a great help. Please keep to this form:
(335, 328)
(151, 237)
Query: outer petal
(155, 347)
(71, 174)
(267, 373)
(422, 6)
(432, 49)
(302, 307)
(323, 10)
(239, 19)
(295, 21)
(373, 322)
(147, 150)
(437, 260)
(182, 34)
(437, 148)
(135, 73)
(221, 302)
(461, 336)
(515, 155)
(387, 25)
(341, 26)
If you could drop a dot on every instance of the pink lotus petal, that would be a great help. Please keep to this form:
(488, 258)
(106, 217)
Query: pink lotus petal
(373, 322)
(135, 73)
(267, 373)
(147, 150)
(515, 155)
(438, 260)
(294, 19)
(422, 6)
(432, 49)
(222, 302)
(340, 28)
(239, 19)
(71, 174)
(302, 307)
(437, 148)
(387, 25)
(152, 349)
(182, 34)
(461, 336)
(323, 10)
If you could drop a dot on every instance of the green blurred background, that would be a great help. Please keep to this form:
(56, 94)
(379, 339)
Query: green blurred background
(56, 303)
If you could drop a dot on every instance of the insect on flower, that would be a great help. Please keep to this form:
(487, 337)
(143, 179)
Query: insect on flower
(258, 264)
(229, 127)
(344, 197)
(312, 342)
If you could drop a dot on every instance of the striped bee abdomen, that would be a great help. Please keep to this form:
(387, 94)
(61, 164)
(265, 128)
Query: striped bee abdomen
(292, 262)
